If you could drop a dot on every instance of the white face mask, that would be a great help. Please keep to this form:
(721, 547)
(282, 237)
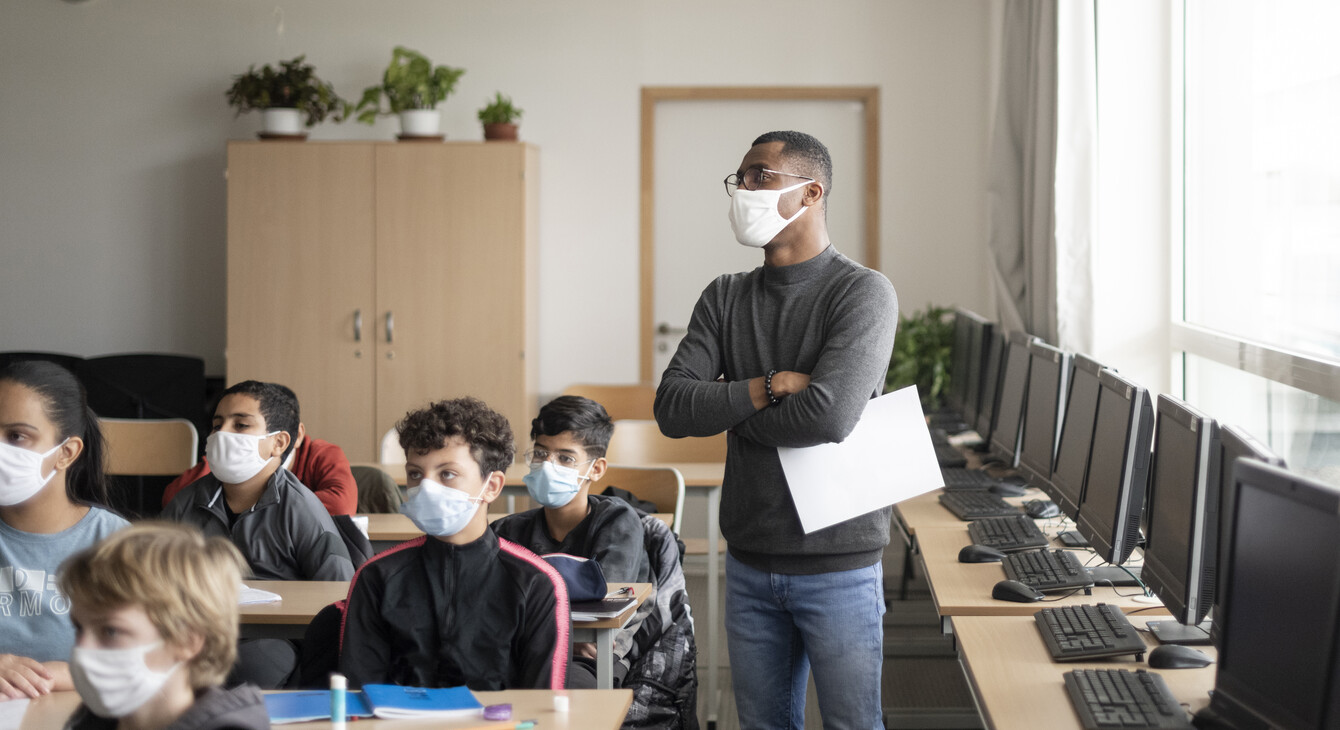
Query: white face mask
(235, 457)
(116, 682)
(439, 510)
(754, 216)
(21, 473)
(554, 486)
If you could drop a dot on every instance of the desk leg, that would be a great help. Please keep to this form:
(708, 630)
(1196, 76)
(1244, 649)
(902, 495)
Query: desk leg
(605, 659)
(713, 601)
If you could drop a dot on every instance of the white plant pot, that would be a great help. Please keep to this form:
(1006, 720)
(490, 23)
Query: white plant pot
(420, 122)
(283, 121)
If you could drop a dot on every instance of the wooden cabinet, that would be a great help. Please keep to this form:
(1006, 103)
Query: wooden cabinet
(375, 277)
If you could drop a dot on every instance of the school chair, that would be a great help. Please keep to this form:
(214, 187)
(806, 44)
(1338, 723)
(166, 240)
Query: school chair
(620, 401)
(662, 486)
(149, 448)
(639, 442)
(377, 490)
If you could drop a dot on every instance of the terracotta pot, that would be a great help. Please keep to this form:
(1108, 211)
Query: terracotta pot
(504, 131)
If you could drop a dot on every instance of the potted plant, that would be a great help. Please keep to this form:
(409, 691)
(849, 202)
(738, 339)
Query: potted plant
(412, 87)
(499, 118)
(923, 351)
(284, 95)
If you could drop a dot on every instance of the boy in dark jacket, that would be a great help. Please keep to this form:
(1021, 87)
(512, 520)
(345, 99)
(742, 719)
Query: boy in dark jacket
(571, 435)
(459, 606)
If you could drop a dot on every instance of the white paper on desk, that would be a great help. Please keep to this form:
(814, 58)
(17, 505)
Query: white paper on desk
(250, 596)
(12, 712)
(887, 458)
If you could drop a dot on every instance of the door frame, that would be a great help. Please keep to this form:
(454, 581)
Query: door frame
(867, 96)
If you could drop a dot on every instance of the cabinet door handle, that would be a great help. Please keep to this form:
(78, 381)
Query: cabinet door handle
(390, 327)
(358, 325)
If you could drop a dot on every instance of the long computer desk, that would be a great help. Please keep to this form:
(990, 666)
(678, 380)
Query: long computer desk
(588, 709)
(1018, 687)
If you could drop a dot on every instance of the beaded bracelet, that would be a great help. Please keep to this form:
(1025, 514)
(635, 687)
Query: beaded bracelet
(767, 384)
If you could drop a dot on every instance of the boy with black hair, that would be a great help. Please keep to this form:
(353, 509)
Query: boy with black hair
(279, 525)
(458, 606)
(571, 435)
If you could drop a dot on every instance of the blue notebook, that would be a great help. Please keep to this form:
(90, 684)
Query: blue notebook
(393, 701)
(309, 705)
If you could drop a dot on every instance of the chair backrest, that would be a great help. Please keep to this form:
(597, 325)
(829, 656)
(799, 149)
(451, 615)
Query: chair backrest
(377, 490)
(149, 447)
(620, 401)
(391, 451)
(662, 485)
(636, 443)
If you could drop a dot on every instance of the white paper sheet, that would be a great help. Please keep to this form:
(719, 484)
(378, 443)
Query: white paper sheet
(886, 459)
(11, 713)
(250, 596)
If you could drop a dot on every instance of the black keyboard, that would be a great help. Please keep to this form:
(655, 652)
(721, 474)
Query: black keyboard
(939, 437)
(1119, 698)
(966, 479)
(950, 457)
(1087, 632)
(1047, 570)
(977, 505)
(1016, 532)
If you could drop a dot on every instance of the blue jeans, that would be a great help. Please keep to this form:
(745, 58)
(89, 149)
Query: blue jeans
(779, 626)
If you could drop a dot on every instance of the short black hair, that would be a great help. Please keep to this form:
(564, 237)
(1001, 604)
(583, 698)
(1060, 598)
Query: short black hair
(809, 154)
(484, 430)
(585, 418)
(278, 404)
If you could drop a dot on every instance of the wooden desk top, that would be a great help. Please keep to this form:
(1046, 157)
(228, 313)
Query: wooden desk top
(1019, 686)
(302, 599)
(925, 512)
(395, 527)
(964, 589)
(596, 709)
(696, 475)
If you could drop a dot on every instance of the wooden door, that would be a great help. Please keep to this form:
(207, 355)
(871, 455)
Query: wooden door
(455, 277)
(300, 258)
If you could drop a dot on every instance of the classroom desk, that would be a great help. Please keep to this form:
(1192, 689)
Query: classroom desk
(1018, 686)
(964, 589)
(302, 599)
(589, 709)
(386, 530)
(924, 511)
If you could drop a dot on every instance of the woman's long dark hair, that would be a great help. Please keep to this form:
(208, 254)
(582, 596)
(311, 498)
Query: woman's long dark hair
(66, 405)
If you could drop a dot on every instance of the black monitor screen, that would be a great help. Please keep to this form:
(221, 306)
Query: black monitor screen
(1010, 404)
(1235, 443)
(958, 368)
(1048, 371)
(1183, 511)
(986, 412)
(1276, 662)
(1109, 513)
(1072, 450)
(980, 340)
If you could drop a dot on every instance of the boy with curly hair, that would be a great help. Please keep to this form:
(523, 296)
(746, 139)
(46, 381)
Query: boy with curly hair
(458, 606)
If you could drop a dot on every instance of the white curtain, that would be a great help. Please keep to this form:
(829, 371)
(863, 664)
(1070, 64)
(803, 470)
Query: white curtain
(1040, 188)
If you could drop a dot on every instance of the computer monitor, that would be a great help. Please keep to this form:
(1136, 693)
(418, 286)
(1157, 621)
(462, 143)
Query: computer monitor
(1235, 443)
(979, 337)
(1048, 375)
(995, 345)
(1071, 465)
(1181, 542)
(1280, 647)
(1010, 405)
(1114, 492)
(958, 368)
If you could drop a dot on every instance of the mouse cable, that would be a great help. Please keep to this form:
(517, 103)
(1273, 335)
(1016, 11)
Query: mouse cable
(1060, 598)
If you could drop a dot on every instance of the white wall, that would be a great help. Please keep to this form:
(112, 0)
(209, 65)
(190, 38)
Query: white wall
(113, 125)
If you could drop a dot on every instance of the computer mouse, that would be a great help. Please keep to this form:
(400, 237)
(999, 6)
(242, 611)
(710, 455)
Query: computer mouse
(980, 554)
(1041, 509)
(1008, 490)
(1172, 656)
(1013, 590)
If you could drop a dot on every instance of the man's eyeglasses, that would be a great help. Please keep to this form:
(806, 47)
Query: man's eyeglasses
(754, 177)
(535, 457)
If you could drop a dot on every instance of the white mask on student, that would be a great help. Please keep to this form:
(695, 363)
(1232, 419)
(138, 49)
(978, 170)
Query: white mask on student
(554, 486)
(21, 473)
(439, 510)
(754, 217)
(235, 457)
(116, 682)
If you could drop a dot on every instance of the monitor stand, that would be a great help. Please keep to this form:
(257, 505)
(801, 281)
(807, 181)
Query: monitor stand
(1072, 539)
(1111, 575)
(1173, 632)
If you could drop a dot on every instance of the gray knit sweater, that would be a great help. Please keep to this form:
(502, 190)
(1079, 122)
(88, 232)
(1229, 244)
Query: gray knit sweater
(829, 317)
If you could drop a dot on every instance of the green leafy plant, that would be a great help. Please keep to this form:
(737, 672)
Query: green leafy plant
(410, 82)
(499, 111)
(923, 351)
(294, 85)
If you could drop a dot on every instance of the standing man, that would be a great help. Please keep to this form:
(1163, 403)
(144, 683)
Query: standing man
(787, 355)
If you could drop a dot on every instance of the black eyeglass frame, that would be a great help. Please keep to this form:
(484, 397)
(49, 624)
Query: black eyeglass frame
(743, 181)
